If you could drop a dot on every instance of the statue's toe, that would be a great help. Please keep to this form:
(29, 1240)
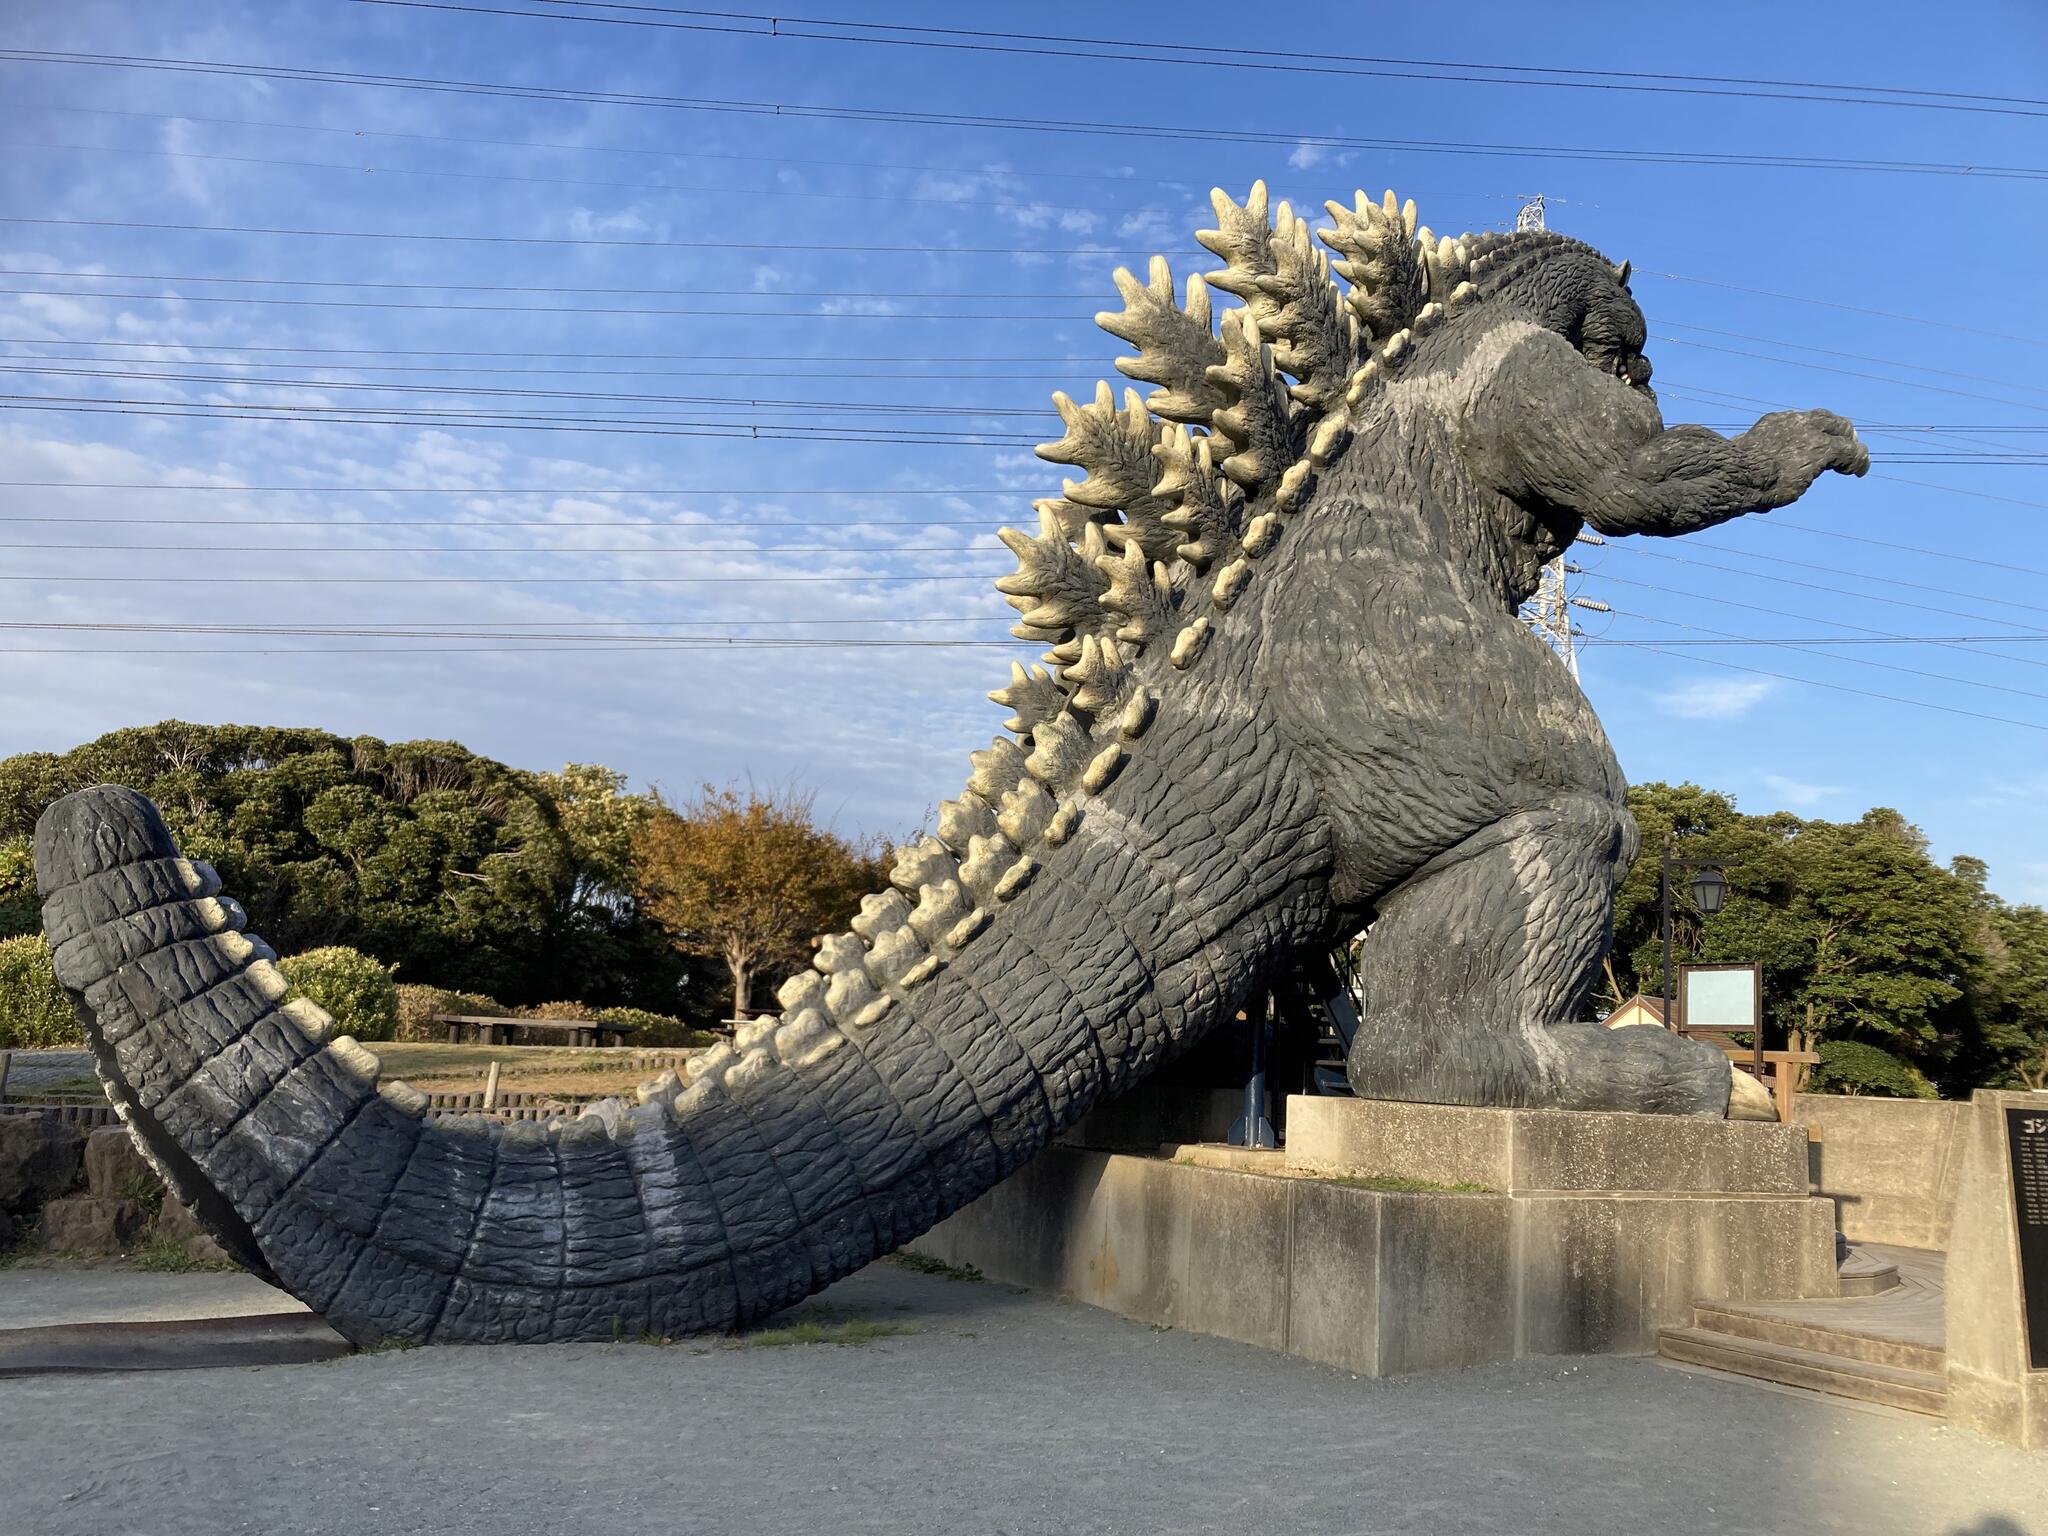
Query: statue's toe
(1748, 1099)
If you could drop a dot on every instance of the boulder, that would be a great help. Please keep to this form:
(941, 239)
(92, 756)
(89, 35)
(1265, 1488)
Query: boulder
(115, 1168)
(92, 1224)
(177, 1224)
(39, 1158)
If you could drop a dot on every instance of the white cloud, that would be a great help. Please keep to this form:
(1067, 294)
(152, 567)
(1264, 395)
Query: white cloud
(1307, 154)
(1714, 699)
(1801, 795)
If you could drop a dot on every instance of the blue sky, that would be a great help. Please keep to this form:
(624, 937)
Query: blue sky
(1905, 300)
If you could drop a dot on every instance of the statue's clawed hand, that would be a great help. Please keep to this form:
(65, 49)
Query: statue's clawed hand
(1802, 444)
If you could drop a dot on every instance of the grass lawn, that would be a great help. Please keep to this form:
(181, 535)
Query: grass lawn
(433, 1067)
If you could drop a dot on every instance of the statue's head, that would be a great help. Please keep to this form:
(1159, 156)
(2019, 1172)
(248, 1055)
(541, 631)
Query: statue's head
(1573, 290)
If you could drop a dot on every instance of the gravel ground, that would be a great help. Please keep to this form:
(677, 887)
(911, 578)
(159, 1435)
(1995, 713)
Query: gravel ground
(1004, 1412)
(38, 1069)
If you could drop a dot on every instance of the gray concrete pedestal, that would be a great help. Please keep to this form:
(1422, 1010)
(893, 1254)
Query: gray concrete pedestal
(1527, 1232)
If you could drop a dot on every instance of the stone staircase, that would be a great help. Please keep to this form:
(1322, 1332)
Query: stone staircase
(1881, 1341)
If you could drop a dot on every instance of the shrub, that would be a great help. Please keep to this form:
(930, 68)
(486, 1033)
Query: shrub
(657, 1030)
(417, 1006)
(1853, 1067)
(357, 990)
(34, 1012)
(557, 1010)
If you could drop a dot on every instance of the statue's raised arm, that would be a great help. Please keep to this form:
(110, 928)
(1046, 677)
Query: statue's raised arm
(1569, 421)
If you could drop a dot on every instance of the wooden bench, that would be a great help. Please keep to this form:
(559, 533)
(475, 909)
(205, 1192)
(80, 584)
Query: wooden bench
(489, 1030)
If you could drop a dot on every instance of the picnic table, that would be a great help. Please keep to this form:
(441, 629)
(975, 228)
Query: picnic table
(493, 1030)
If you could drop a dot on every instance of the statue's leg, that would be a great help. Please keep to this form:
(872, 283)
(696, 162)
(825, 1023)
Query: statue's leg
(1474, 966)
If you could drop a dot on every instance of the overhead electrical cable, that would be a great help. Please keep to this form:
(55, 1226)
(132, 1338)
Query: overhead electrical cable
(1180, 133)
(1130, 51)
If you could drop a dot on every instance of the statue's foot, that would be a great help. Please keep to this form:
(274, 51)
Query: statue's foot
(1565, 1066)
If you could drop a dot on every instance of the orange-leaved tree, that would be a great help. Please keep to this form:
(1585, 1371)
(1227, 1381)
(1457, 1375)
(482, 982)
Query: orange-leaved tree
(749, 879)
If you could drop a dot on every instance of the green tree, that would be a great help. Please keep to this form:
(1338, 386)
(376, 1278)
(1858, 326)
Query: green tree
(1860, 934)
(458, 870)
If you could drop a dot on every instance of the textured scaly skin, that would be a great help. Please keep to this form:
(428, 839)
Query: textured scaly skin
(1289, 697)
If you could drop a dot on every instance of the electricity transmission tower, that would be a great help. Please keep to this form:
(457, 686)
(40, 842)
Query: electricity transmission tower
(1549, 612)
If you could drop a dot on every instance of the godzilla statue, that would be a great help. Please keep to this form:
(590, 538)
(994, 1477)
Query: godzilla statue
(1289, 699)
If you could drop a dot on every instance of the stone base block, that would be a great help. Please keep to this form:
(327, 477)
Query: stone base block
(114, 1168)
(1541, 1151)
(1569, 1249)
(1992, 1386)
(176, 1223)
(92, 1224)
(38, 1160)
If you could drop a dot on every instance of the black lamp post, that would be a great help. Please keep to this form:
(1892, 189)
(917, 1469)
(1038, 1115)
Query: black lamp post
(1709, 892)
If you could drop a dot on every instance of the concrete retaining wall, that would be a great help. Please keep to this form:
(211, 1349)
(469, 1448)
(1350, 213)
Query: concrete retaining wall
(1382, 1282)
(1889, 1165)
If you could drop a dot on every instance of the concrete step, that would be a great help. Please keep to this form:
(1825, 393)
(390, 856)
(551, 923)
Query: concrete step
(1740, 1323)
(1865, 1274)
(1837, 1375)
(185, 1344)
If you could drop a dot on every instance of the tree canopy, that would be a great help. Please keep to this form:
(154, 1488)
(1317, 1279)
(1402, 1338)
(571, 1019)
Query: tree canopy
(457, 870)
(1863, 938)
(750, 880)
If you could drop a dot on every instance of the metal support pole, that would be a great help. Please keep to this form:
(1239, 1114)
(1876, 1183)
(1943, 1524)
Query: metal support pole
(1665, 882)
(1253, 1129)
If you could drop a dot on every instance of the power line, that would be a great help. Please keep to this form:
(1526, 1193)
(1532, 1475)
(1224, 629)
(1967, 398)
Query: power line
(1734, 570)
(1970, 644)
(214, 551)
(1181, 133)
(1854, 309)
(691, 643)
(1812, 682)
(863, 407)
(1818, 647)
(1148, 51)
(692, 153)
(1851, 373)
(545, 310)
(954, 376)
(668, 357)
(61, 579)
(587, 240)
(459, 628)
(516, 490)
(397, 416)
(551, 288)
(1854, 357)
(1889, 581)
(1013, 205)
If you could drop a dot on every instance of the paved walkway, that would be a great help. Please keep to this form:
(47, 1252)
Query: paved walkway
(1001, 1413)
(1911, 1313)
(45, 1298)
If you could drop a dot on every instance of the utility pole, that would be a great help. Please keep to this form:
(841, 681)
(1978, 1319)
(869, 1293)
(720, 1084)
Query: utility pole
(1549, 612)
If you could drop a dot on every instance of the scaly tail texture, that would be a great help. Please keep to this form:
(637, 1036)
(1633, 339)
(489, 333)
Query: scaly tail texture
(1110, 886)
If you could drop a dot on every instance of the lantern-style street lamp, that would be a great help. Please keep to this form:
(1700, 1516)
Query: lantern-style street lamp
(1709, 893)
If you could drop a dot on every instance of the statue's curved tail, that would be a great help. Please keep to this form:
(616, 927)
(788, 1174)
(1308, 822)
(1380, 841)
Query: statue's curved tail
(815, 1143)
(668, 1217)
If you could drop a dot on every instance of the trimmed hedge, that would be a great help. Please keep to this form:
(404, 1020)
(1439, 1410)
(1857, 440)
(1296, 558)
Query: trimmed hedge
(357, 990)
(417, 1006)
(34, 1012)
(655, 1030)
